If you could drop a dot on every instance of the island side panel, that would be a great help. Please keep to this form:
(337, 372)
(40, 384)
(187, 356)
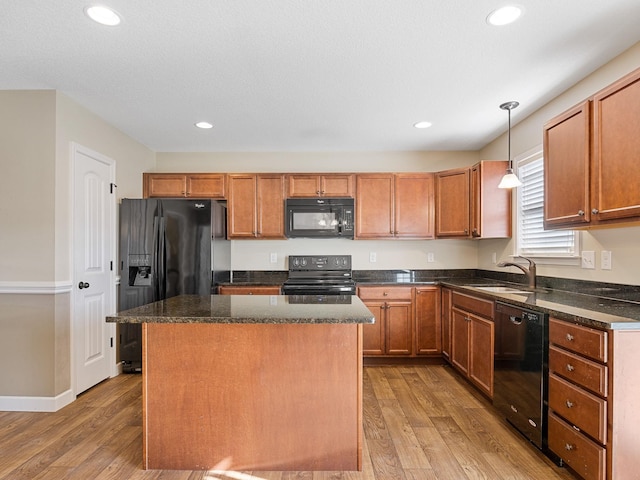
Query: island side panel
(252, 396)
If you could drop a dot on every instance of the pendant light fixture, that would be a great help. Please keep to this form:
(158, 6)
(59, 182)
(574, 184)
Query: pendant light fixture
(509, 180)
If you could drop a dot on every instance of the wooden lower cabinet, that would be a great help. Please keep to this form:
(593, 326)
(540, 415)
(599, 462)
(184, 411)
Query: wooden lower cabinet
(248, 290)
(594, 387)
(472, 340)
(407, 321)
(445, 309)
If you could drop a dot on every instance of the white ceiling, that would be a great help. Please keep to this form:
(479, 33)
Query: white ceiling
(310, 75)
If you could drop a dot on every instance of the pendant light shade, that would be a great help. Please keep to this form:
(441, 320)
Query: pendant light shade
(509, 180)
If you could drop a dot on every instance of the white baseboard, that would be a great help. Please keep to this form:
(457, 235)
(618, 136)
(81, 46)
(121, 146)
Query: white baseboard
(36, 404)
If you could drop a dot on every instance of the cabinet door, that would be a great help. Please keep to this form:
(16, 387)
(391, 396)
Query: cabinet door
(374, 206)
(304, 185)
(399, 328)
(270, 206)
(490, 205)
(616, 143)
(446, 323)
(414, 208)
(373, 333)
(481, 338)
(460, 340)
(428, 322)
(164, 185)
(205, 185)
(452, 203)
(566, 168)
(241, 213)
(336, 185)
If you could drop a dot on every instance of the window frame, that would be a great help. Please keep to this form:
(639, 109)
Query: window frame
(557, 258)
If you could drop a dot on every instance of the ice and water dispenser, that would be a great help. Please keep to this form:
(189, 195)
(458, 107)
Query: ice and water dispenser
(140, 270)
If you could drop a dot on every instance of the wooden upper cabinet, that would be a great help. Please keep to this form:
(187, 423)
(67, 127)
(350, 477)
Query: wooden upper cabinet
(414, 210)
(179, 185)
(317, 185)
(590, 156)
(469, 203)
(490, 205)
(453, 203)
(616, 150)
(394, 205)
(567, 152)
(256, 206)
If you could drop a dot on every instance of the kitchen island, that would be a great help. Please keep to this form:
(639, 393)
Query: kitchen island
(241, 382)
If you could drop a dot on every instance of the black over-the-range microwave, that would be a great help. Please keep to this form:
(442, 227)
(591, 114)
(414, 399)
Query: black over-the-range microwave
(319, 217)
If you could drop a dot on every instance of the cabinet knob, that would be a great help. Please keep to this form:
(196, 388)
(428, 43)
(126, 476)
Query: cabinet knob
(385, 294)
(317, 192)
(250, 293)
(569, 404)
(595, 211)
(570, 368)
(581, 213)
(569, 337)
(568, 447)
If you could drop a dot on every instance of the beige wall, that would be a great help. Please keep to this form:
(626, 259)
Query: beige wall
(526, 135)
(36, 131)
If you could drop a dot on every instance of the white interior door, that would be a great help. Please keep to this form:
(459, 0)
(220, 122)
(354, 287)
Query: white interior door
(93, 246)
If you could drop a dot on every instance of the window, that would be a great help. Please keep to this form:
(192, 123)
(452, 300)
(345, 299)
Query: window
(532, 239)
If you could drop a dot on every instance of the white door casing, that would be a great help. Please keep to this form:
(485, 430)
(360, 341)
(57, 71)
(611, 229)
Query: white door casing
(93, 222)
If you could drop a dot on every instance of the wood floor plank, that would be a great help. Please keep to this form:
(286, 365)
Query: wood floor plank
(419, 422)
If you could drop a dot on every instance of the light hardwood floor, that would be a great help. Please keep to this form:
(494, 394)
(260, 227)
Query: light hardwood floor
(420, 423)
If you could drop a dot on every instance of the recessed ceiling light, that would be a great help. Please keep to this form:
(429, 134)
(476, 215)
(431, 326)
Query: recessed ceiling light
(504, 15)
(204, 125)
(422, 124)
(103, 15)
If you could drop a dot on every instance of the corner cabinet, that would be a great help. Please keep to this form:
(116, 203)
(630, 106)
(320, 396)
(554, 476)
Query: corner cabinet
(256, 206)
(179, 185)
(395, 206)
(590, 151)
(320, 185)
(472, 339)
(469, 203)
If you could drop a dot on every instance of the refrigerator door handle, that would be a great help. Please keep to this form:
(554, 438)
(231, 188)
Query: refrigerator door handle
(162, 259)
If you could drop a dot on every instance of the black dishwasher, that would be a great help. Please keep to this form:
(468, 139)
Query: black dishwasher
(521, 370)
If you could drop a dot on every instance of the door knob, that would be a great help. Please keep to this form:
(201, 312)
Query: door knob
(82, 285)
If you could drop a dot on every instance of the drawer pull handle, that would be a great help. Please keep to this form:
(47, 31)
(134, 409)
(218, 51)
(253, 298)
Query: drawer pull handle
(570, 368)
(568, 447)
(569, 337)
(570, 404)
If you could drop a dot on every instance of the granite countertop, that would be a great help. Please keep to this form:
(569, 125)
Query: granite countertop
(266, 309)
(586, 309)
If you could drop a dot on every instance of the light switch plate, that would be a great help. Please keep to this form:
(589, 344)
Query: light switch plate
(588, 259)
(431, 257)
(605, 260)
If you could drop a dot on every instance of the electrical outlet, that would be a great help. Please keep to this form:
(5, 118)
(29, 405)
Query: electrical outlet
(605, 260)
(273, 258)
(494, 258)
(431, 257)
(373, 258)
(588, 259)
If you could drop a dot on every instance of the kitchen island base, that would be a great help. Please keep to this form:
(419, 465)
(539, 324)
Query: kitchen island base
(252, 396)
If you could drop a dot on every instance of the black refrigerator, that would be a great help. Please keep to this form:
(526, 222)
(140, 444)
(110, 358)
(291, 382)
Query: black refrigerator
(168, 247)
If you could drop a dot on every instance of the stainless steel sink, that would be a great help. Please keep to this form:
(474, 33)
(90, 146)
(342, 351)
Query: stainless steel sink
(502, 289)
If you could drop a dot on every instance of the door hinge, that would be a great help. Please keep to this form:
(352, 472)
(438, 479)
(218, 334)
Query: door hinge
(111, 339)
(112, 185)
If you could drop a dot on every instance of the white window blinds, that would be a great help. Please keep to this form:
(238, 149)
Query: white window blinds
(533, 239)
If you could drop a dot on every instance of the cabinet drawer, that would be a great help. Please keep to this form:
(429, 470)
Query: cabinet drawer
(262, 290)
(583, 340)
(473, 304)
(385, 293)
(576, 369)
(579, 407)
(587, 458)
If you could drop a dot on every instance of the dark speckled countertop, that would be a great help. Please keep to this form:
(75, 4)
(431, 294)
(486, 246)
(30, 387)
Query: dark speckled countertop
(267, 309)
(586, 309)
